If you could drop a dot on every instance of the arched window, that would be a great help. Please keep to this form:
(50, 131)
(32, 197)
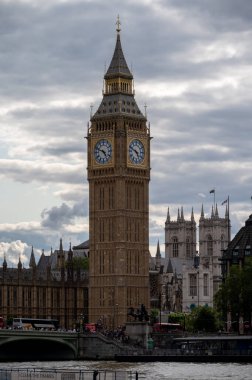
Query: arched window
(175, 247)
(209, 245)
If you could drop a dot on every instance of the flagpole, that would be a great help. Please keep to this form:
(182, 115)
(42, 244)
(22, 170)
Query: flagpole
(213, 192)
(228, 220)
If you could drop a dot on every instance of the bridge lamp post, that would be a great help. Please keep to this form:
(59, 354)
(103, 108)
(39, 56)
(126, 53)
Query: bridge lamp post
(81, 323)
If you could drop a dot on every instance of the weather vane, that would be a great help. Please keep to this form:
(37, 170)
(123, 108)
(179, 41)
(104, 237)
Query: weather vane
(118, 29)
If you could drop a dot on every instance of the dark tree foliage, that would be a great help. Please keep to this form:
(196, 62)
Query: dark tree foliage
(235, 294)
(79, 263)
(203, 318)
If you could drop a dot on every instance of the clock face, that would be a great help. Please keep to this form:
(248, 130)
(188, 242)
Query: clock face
(136, 151)
(103, 151)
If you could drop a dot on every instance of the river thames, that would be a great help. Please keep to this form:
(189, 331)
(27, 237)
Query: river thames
(153, 371)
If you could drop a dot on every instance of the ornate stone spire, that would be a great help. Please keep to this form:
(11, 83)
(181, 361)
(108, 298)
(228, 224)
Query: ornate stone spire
(216, 211)
(158, 254)
(19, 264)
(192, 215)
(4, 263)
(178, 218)
(182, 214)
(118, 88)
(118, 65)
(226, 213)
(158, 257)
(212, 214)
(32, 263)
(202, 215)
(168, 218)
(61, 245)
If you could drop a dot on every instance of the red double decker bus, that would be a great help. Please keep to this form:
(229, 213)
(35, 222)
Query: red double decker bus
(167, 328)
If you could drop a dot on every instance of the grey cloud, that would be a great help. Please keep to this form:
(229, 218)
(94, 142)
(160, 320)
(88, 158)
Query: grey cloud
(57, 217)
(59, 50)
(27, 172)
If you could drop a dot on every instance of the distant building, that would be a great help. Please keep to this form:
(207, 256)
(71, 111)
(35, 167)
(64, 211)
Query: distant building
(239, 249)
(187, 277)
(49, 289)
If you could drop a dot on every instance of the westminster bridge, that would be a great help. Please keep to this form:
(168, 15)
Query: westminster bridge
(21, 345)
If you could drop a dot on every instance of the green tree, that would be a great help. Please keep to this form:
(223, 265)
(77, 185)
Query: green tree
(203, 318)
(235, 294)
(178, 318)
(80, 262)
(154, 316)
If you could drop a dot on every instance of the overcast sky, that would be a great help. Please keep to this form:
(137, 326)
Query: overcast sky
(191, 61)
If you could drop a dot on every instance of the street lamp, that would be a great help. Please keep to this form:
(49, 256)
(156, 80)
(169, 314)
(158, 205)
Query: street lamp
(81, 323)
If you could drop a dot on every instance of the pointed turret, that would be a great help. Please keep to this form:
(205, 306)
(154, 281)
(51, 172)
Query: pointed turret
(32, 263)
(70, 253)
(4, 263)
(70, 263)
(202, 215)
(192, 215)
(182, 214)
(216, 211)
(212, 213)
(61, 245)
(168, 218)
(118, 93)
(61, 257)
(158, 254)
(118, 66)
(178, 217)
(19, 264)
(226, 212)
(158, 257)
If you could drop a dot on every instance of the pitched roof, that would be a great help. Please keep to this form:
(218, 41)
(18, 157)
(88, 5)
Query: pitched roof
(118, 65)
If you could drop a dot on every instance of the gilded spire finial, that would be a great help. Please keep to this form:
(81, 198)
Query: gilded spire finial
(118, 23)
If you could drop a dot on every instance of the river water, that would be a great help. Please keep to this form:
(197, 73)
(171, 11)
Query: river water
(153, 371)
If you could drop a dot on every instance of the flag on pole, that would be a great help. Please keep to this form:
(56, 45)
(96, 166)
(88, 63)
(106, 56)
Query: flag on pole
(212, 191)
(224, 202)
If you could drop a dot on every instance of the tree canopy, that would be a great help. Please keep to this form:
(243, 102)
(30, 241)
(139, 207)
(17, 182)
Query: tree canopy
(235, 294)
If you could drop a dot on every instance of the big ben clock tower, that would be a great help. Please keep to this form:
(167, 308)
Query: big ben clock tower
(118, 174)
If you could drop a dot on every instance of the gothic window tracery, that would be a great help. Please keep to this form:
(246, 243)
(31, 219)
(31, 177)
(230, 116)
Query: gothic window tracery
(175, 246)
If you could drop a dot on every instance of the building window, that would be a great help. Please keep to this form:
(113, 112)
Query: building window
(101, 198)
(209, 245)
(111, 197)
(102, 262)
(14, 296)
(137, 198)
(205, 285)
(188, 248)
(101, 230)
(192, 285)
(128, 196)
(222, 242)
(175, 247)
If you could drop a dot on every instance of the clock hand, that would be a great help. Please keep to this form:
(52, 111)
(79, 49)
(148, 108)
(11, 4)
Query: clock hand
(137, 153)
(103, 151)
